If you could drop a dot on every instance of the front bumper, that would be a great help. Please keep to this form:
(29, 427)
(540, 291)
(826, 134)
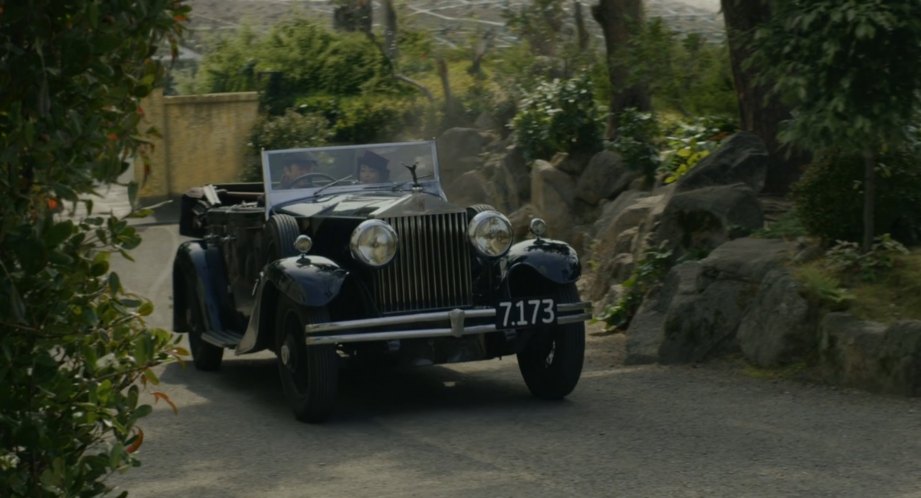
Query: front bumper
(460, 322)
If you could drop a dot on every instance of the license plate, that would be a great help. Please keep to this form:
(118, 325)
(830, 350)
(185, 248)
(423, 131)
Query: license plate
(520, 313)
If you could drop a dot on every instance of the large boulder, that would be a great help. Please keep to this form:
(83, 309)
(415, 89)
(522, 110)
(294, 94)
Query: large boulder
(458, 151)
(646, 333)
(780, 325)
(472, 187)
(605, 177)
(870, 355)
(700, 306)
(552, 194)
(521, 220)
(502, 184)
(619, 238)
(702, 219)
(517, 166)
(743, 157)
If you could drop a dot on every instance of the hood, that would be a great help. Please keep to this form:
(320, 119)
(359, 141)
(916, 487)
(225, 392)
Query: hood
(372, 205)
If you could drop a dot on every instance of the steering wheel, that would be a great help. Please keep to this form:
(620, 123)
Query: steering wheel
(308, 179)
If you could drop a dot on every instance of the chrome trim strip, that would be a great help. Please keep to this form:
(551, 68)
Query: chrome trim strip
(316, 328)
(391, 335)
(567, 307)
(565, 320)
(350, 330)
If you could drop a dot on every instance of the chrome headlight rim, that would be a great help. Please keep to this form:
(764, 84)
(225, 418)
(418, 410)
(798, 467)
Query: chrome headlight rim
(479, 240)
(356, 247)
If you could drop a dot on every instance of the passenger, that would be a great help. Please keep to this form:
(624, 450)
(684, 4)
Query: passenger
(372, 168)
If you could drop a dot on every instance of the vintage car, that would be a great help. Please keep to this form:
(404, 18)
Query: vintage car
(353, 253)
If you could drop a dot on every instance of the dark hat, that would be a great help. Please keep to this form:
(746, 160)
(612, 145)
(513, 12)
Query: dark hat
(373, 160)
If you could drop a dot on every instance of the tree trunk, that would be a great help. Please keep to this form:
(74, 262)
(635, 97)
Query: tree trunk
(581, 32)
(759, 114)
(869, 200)
(390, 30)
(353, 15)
(619, 21)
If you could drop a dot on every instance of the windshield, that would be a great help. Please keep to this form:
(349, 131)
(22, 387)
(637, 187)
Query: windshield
(301, 173)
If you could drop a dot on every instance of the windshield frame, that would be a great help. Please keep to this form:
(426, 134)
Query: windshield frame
(429, 181)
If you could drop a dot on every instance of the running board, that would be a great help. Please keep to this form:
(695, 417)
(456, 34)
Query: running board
(223, 339)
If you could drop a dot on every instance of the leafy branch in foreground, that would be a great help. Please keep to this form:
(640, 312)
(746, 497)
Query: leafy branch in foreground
(74, 346)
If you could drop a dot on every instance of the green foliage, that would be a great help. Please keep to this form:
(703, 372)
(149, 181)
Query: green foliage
(829, 196)
(842, 65)
(688, 143)
(824, 288)
(558, 116)
(374, 118)
(684, 73)
(309, 59)
(648, 273)
(787, 226)
(73, 342)
(539, 23)
(637, 142)
(288, 131)
(845, 258)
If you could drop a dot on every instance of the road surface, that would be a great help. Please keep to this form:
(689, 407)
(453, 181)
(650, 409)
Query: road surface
(472, 430)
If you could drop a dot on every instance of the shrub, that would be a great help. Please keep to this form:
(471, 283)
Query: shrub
(637, 141)
(377, 118)
(289, 131)
(829, 197)
(74, 343)
(558, 116)
(688, 143)
(648, 273)
(846, 259)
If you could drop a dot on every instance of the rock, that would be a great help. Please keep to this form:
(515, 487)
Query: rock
(503, 184)
(900, 358)
(848, 348)
(520, 174)
(624, 223)
(552, 195)
(746, 259)
(604, 177)
(521, 220)
(870, 355)
(702, 304)
(472, 188)
(456, 148)
(703, 325)
(743, 157)
(647, 331)
(779, 327)
(702, 219)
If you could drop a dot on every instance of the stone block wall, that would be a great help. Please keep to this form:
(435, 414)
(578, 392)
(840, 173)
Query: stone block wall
(203, 140)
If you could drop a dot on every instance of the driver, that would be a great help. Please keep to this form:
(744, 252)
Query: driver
(294, 167)
(372, 168)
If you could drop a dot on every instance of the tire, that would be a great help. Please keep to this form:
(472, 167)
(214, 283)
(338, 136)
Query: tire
(205, 356)
(551, 361)
(281, 230)
(309, 376)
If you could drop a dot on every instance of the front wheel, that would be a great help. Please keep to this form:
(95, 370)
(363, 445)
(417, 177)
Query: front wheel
(309, 376)
(551, 361)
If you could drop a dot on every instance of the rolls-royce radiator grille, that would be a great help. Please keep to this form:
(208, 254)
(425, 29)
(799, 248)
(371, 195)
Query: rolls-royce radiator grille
(431, 268)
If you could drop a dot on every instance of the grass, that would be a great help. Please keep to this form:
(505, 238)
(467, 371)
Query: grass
(895, 296)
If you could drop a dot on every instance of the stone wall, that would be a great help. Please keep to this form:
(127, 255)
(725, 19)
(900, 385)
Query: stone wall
(203, 140)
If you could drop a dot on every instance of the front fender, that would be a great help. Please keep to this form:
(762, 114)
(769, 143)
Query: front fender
(204, 265)
(311, 281)
(554, 260)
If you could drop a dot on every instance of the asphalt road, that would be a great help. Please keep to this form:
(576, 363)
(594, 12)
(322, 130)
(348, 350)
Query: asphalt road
(473, 429)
